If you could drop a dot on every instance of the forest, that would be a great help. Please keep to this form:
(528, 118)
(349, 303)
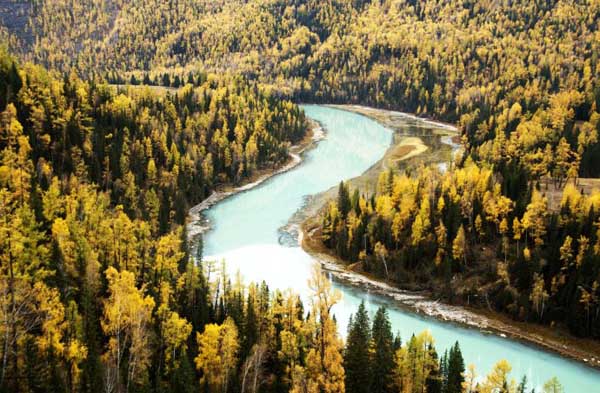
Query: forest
(484, 66)
(99, 288)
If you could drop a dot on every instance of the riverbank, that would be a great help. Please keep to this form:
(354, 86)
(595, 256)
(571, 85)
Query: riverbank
(197, 224)
(554, 340)
(586, 351)
(427, 143)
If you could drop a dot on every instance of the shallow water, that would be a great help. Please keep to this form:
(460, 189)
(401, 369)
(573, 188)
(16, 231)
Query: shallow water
(246, 233)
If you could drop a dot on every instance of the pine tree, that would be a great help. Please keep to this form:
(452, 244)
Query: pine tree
(433, 382)
(250, 326)
(444, 371)
(383, 354)
(343, 201)
(456, 369)
(356, 354)
(522, 388)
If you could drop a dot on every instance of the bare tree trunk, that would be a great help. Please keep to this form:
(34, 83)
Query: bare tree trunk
(257, 366)
(247, 365)
(5, 347)
(387, 275)
(6, 314)
(542, 313)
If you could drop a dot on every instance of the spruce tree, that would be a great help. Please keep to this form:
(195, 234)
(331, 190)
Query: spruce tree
(397, 342)
(250, 327)
(456, 369)
(383, 353)
(343, 201)
(433, 382)
(356, 354)
(444, 370)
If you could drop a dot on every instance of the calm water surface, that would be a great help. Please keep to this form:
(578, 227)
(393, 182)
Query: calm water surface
(246, 232)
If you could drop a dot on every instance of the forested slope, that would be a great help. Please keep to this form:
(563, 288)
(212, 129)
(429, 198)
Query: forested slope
(96, 182)
(486, 65)
(95, 185)
(98, 290)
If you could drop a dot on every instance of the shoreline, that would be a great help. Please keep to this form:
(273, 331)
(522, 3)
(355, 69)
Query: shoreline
(583, 351)
(412, 146)
(365, 110)
(197, 224)
(421, 302)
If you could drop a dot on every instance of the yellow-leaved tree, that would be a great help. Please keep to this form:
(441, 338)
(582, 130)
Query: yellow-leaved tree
(126, 321)
(459, 246)
(174, 330)
(218, 348)
(324, 363)
(415, 362)
(497, 380)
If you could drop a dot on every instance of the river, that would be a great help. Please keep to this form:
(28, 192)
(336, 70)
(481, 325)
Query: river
(246, 231)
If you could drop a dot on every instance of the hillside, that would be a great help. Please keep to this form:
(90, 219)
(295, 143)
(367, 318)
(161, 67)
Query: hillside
(486, 65)
(117, 116)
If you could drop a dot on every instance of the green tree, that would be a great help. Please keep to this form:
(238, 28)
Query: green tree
(553, 386)
(343, 201)
(456, 370)
(383, 353)
(357, 357)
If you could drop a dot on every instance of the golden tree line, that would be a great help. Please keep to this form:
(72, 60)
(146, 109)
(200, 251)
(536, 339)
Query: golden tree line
(457, 233)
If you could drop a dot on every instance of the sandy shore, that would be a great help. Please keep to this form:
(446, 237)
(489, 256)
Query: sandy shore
(586, 351)
(402, 148)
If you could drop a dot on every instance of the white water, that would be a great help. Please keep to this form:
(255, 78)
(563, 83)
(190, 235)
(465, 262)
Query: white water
(245, 232)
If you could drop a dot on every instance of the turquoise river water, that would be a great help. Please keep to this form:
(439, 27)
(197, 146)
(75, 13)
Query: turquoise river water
(246, 232)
